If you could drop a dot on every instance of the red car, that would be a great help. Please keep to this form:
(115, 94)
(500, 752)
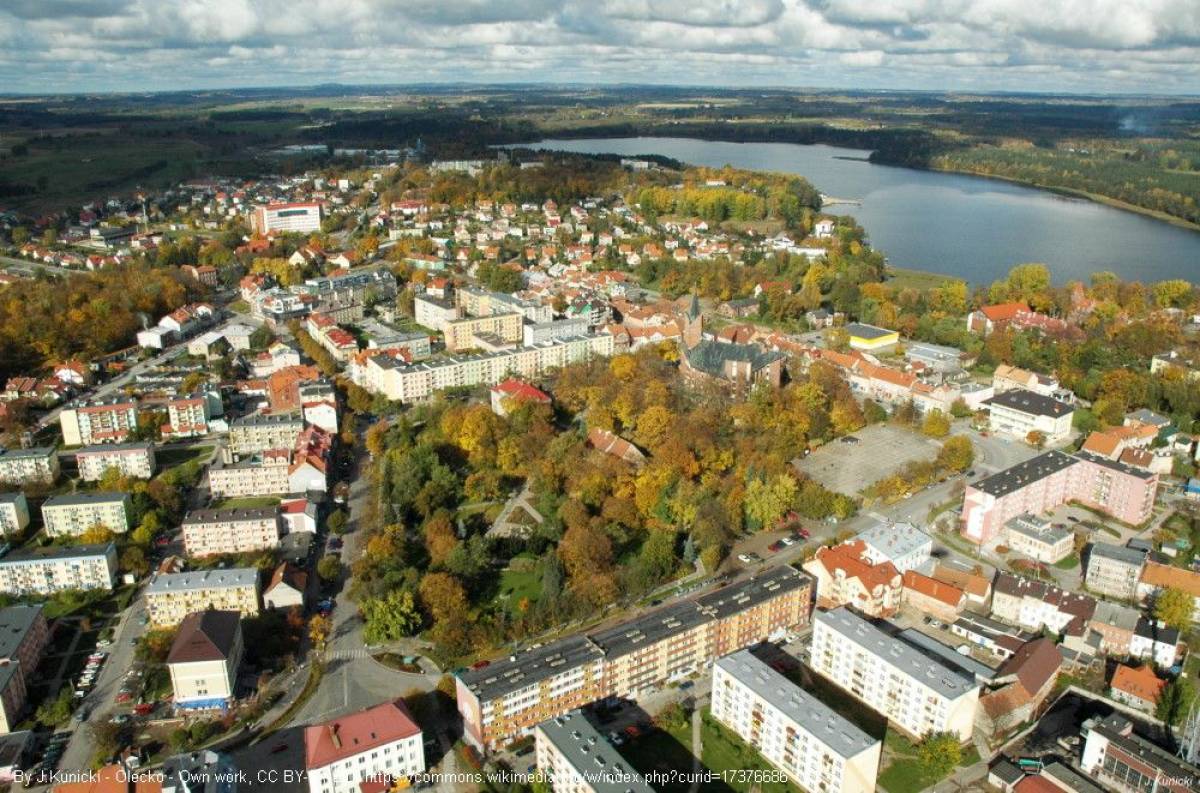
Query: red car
(144, 708)
(124, 696)
(776, 546)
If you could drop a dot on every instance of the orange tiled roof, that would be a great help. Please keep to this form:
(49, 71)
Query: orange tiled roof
(1140, 682)
(931, 587)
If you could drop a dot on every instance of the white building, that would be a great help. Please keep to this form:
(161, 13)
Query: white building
(204, 660)
(916, 693)
(14, 513)
(303, 216)
(380, 744)
(49, 569)
(75, 513)
(258, 432)
(1017, 413)
(433, 312)
(796, 732)
(1038, 539)
(23, 466)
(110, 420)
(572, 753)
(1156, 642)
(130, 459)
(902, 544)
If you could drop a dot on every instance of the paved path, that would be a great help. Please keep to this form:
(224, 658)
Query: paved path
(697, 747)
(503, 527)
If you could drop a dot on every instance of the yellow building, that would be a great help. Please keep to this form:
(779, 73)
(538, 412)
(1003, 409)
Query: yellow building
(460, 333)
(870, 337)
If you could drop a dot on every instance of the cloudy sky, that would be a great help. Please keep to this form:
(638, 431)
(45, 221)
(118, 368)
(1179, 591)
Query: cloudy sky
(1127, 46)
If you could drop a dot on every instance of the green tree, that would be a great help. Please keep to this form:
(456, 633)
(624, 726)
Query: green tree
(337, 520)
(939, 754)
(55, 711)
(767, 501)
(1175, 701)
(390, 617)
(1175, 607)
(329, 568)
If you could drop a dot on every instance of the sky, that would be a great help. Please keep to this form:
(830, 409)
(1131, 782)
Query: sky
(1076, 46)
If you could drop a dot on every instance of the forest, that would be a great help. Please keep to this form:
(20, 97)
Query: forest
(613, 531)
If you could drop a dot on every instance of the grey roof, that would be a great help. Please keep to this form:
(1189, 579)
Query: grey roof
(1037, 528)
(710, 356)
(1116, 615)
(109, 448)
(1006, 771)
(947, 681)
(592, 755)
(528, 667)
(1147, 416)
(11, 498)
(51, 552)
(203, 579)
(815, 717)
(1021, 474)
(266, 419)
(205, 771)
(1030, 402)
(1149, 629)
(249, 513)
(864, 331)
(80, 499)
(947, 655)
(31, 452)
(13, 749)
(894, 539)
(15, 622)
(1069, 779)
(1118, 553)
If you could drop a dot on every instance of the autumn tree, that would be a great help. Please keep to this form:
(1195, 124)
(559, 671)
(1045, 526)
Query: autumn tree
(440, 538)
(443, 597)
(1175, 607)
(319, 627)
(957, 454)
(936, 424)
(390, 617)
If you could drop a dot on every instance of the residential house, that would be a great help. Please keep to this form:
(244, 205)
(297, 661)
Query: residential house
(204, 660)
(372, 750)
(844, 576)
(1137, 687)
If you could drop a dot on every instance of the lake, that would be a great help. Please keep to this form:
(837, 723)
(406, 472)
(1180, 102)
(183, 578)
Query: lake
(967, 226)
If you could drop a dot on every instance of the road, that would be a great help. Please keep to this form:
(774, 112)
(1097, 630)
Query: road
(102, 698)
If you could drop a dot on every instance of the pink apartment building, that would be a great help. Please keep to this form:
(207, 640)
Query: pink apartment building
(1041, 484)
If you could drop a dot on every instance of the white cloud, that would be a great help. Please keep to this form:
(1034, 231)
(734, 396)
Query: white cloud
(1094, 45)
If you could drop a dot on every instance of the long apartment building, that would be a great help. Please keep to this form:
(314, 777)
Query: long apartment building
(73, 514)
(460, 334)
(915, 690)
(261, 432)
(1018, 412)
(573, 753)
(24, 634)
(506, 699)
(396, 380)
(50, 569)
(813, 744)
(129, 459)
(26, 466)
(1053, 478)
(212, 531)
(481, 303)
(109, 420)
(172, 596)
(297, 216)
(188, 416)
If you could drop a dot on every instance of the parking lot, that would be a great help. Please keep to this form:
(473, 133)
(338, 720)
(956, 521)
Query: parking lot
(881, 450)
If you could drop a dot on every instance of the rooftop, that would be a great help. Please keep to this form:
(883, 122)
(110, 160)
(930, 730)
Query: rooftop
(248, 513)
(202, 579)
(899, 654)
(15, 622)
(592, 755)
(821, 721)
(947, 655)
(1031, 403)
(205, 636)
(861, 330)
(81, 499)
(359, 732)
(894, 540)
(1018, 476)
(56, 552)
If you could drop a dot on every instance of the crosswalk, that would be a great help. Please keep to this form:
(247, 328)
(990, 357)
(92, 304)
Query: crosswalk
(348, 655)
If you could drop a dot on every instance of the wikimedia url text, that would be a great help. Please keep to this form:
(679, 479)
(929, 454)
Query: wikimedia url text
(290, 776)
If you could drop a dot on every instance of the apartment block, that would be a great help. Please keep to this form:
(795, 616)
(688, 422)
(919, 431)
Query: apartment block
(130, 459)
(382, 374)
(14, 513)
(369, 750)
(300, 217)
(1121, 760)
(1018, 412)
(260, 474)
(573, 753)
(433, 312)
(50, 569)
(477, 302)
(508, 698)
(261, 432)
(110, 420)
(461, 334)
(799, 734)
(1053, 478)
(917, 692)
(538, 332)
(189, 416)
(172, 596)
(24, 634)
(26, 466)
(211, 531)
(1114, 570)
(902, 544)
(1038, 539)
(73, 514)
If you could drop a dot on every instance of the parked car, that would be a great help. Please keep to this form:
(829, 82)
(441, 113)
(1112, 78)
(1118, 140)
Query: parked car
(788, 541)
(776, 546)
